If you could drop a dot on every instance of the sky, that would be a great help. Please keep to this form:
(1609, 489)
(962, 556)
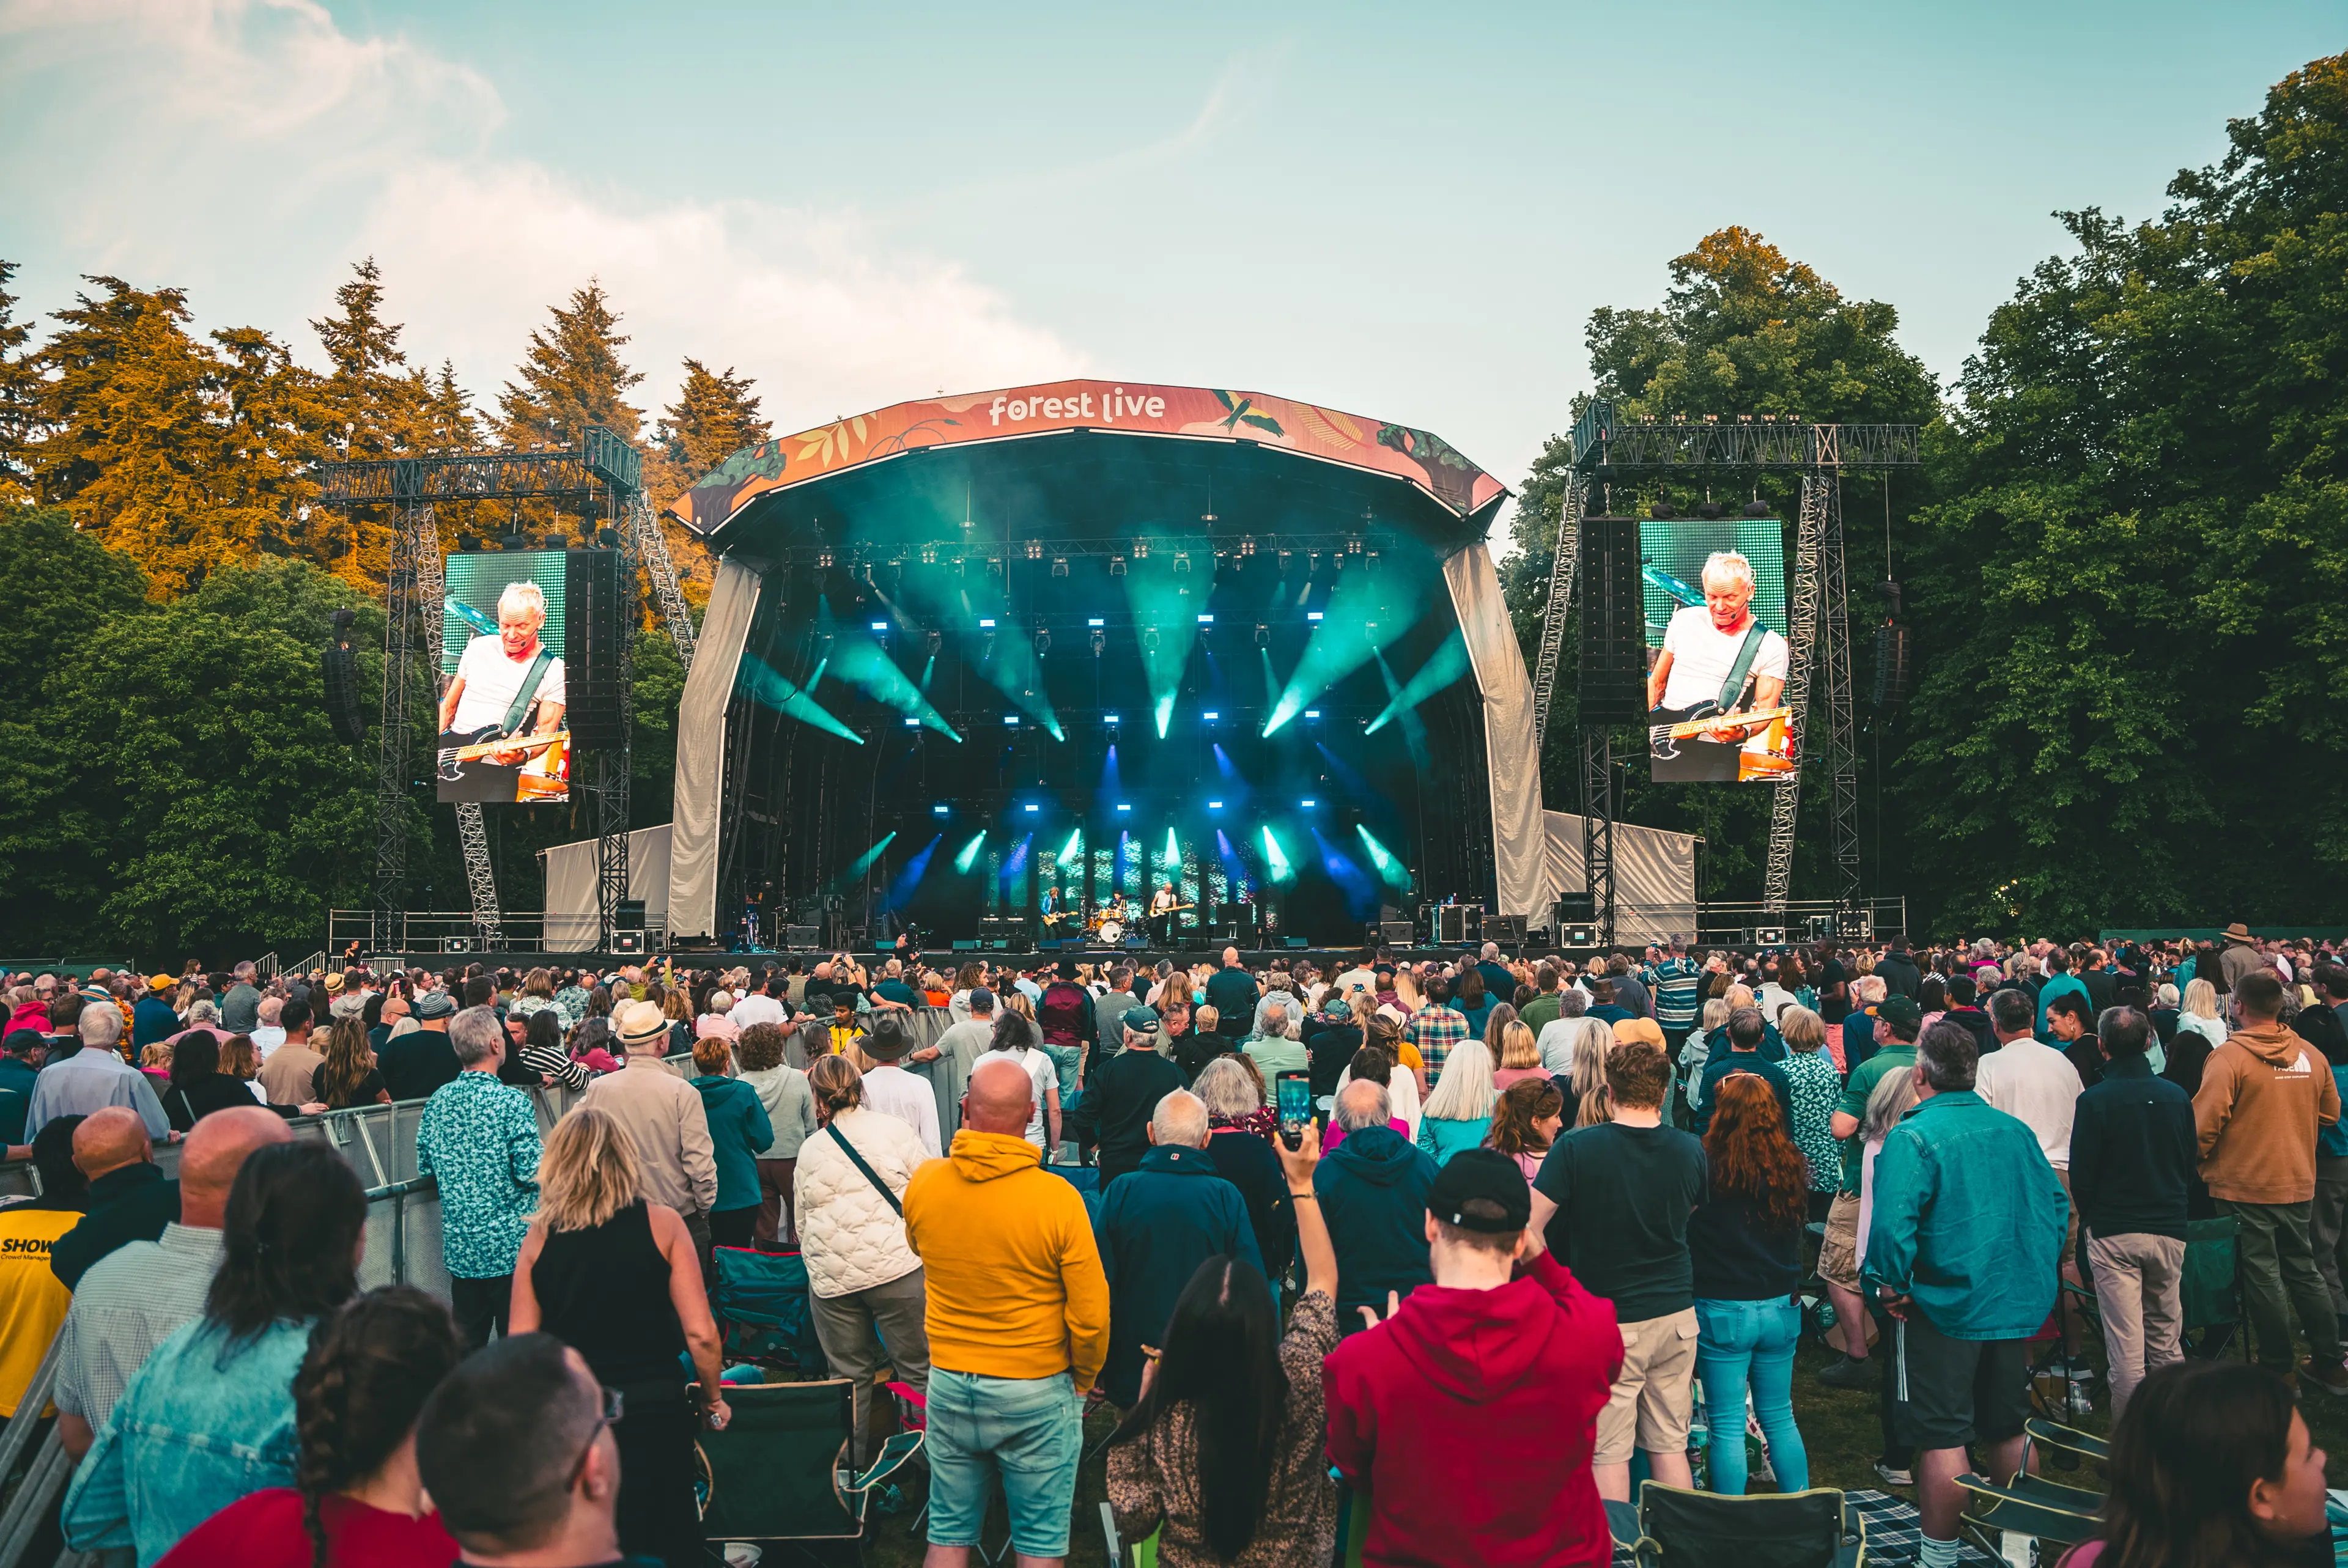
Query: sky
(1403, 211)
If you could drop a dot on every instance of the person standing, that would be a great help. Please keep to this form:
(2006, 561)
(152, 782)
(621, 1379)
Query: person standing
(416, 1063)
(782, 1088)
(93, 1078)
(864, 1284)
(33, 1301)
(1894, 1024)
(2265, 1096)
(290, 1069)
(129, 1197)
(2040, 1087)
(1373, 1194)
(663, 1118)
(1232, 991)
(520, 1450)
(1435, 1028)
(1966, 1224)
(2131, 1163)
(1124, 1095)
(1613, 1201)
(948, 1060)
(1157, 1226)
(618, 1279)
(738, 1128)
(152, 1019)
(891, 1090)
(478, 1138)
(1678, 982)
(1017, 1317)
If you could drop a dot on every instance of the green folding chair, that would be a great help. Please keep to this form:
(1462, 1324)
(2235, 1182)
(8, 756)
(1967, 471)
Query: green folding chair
(1683, 1529)
(779, 1476)
(2027, 1505)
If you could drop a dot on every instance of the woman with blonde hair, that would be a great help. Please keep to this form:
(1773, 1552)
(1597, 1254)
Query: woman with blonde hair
(1516, 1056)
(618, 1280)
(2200, 1013)
(536, 993)
(1460, 1113)
(1593, 1103)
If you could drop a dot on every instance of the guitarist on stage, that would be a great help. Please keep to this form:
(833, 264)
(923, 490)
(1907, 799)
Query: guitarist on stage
(1162, 906)
(1717, 652)
(508, 685)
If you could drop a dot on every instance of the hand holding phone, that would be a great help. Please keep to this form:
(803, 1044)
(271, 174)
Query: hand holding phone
(1292, 1101)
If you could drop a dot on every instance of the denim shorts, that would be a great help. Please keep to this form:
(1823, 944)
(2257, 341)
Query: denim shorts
(1028, 1430)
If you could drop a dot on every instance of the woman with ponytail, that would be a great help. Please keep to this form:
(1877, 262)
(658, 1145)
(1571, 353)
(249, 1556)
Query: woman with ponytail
(356, 1501)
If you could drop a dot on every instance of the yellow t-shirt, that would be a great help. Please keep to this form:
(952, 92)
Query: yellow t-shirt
(33, 1301)
(1408, 1055)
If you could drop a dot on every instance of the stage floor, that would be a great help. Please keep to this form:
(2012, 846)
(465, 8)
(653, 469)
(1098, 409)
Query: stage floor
(947, 961)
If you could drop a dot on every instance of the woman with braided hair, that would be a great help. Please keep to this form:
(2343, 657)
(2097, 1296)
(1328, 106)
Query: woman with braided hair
(356, 1501)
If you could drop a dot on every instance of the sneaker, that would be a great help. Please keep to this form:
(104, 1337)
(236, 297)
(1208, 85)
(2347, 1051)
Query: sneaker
(2332, 1379)
(1890, 1477)
(1847, 1373)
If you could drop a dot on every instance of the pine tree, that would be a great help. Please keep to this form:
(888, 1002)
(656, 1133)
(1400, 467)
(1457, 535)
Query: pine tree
(573, 377)
(19, 396)
(448, 416)
(713, 417)
(376, 406)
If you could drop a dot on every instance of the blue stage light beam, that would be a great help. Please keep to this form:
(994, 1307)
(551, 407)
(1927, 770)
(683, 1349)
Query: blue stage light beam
(1111, 784)
(1360, 893)
(1448, 663)
(910, 874)
(1276, 860)
(1388, 865)
(1368, 611)
(769, 686)
(1016, 861)
(969, 854)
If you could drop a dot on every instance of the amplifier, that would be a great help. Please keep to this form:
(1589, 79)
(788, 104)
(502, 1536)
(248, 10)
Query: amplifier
(803, 937)
(1504, 928)
(1576, 906)
(1768, 936)
(1394, 933)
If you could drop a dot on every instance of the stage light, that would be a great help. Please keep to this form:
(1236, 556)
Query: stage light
(936, 640)
(1117, 566)
(1214, 806)
(1206, 620)
(1150, 640)
(1389, 866)
(1307, 805)
(1108, 718)
(1042, 642)
(1059, 565)
(1097, 620)
(1010, 720)
(1312, 615)
(1122, 807)
(880, 626)
(912, 724)
(942, 809)
(1173, 849)
(1211, 715)
(962, 861)
(987, 624)
(1076, 839)
(1031, 806)
(1165, 713)
(1281, 871)
(1182, 562)
(1312, 713)
(1100, 642)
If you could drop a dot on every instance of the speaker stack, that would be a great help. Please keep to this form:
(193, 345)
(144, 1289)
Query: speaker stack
(339, 667)
(595, 623)
(1613, 682)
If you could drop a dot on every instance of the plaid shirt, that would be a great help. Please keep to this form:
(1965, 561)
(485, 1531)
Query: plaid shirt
(128, 1303)
(1435, 1029)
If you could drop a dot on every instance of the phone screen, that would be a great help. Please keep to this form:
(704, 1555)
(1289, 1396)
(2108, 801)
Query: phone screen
(1294, 1094)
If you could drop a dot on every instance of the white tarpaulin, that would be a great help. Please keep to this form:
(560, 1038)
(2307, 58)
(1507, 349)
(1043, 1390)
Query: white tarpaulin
(1514, 763)
(572, 919)
(692, 896)
(1654, 877)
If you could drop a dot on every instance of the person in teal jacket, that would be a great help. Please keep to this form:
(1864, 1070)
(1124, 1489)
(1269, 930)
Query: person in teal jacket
(1961, 1250)
(738, 1128)
(1458, 1113)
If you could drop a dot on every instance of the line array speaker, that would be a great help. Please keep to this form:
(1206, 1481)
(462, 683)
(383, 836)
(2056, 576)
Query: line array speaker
(1890, 666)
(340, 667)
(595, 623)
(1613, 684)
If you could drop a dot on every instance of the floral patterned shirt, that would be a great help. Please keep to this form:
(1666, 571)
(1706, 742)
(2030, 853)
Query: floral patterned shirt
(479, 1138)
(1816, 1087)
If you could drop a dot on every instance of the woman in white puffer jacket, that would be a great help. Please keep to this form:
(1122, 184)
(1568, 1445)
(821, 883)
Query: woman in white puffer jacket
(864, 1284)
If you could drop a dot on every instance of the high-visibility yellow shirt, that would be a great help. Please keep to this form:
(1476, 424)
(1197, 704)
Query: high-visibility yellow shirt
(33, 1300)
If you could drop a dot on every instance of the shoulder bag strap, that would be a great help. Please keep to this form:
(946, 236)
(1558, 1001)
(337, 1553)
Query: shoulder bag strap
(527, 694)
(1734, 687)
(870, 1174)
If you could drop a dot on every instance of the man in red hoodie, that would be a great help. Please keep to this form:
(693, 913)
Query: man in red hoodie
(1469, 1415)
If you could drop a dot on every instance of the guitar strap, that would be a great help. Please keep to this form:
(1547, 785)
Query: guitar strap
(527, 694)
(1734, 687)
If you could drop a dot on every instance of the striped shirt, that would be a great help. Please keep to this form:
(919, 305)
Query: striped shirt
(1677, 981)
(127, 1304)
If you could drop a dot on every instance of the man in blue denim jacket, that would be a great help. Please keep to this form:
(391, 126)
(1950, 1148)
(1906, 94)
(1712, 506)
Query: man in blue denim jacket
(1963, 1246)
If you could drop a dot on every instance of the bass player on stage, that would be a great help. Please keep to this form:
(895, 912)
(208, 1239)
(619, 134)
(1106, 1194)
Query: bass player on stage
(1717, 652)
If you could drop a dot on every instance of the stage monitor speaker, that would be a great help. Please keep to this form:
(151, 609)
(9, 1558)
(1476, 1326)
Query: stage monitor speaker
(1582, 935)
(1395, 933)
(1571, 906)
(628, 942)
(595, 632)
(965, 945)
(1300, 941)
(1612, 688)
(802, 935)
(631, 915)
(1890, 666)
(1504, 928)
(339, 667)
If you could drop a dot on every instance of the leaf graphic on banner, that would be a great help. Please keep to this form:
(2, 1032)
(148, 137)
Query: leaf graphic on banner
(1262, 422)
(1320, 427)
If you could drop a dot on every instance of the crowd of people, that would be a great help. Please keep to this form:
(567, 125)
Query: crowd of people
(1550, 1229)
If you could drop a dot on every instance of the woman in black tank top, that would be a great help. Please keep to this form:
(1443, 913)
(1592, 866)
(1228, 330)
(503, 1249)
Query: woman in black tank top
(619, 1281)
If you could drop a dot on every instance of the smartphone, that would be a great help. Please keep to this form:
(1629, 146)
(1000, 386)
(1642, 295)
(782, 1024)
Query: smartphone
(1292, 1093)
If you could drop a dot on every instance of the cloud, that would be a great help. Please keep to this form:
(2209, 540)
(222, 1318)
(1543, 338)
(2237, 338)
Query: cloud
(251, 149)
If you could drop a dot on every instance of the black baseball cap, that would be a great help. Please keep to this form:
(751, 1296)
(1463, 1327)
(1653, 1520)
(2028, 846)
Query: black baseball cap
(1486, 1174)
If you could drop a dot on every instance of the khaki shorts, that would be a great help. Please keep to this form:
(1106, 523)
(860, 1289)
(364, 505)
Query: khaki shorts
(1654, 1394)
(2070, 1259)
(1839, 1253)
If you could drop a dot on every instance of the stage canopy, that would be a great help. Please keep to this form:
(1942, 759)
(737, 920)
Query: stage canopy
(1093, 637)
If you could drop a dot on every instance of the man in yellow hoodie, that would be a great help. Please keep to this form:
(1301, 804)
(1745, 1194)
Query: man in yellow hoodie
(2264, 1096)
(1018, 1326)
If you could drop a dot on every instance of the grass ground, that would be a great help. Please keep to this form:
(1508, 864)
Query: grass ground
(1838, 1429)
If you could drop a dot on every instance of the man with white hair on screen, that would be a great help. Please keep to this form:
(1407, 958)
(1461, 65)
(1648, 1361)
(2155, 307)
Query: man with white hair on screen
(1717, 652)
(499, 680)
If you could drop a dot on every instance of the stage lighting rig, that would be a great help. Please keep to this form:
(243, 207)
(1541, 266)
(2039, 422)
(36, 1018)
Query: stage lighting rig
(1262, 635)
(1117, 566)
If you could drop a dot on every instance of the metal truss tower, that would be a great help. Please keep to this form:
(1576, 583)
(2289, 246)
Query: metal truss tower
(1604, 447)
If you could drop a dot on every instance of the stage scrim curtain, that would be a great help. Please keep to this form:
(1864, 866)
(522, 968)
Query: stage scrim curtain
(701, 749)
(1517, 853)
(572, 919)
(1654, 877)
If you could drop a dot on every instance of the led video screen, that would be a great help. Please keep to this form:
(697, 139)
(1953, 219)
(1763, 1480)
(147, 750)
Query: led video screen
(1714, 593)
(501, 733)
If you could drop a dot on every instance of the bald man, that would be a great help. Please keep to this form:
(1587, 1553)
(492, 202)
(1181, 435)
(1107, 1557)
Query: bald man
(1232, 991)
(130, 1300)
(1018, 1321)
(129, 1198)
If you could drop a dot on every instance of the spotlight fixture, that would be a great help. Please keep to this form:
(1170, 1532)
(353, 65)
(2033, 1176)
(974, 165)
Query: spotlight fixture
(942, 809)
(1059, 565)
(1031, 806)
(880, 626)
(1043, 642)
(1313, 615)
(1262, 635)
(1206, 619)
(1142, 549)
(986, 623)
(1312, 713)
(1095, 620)
(1035, 550)
(1150, 640)
(1211, 715)
(1121, 805)
(1307, 805)
(1117, 566)
(912, 724)
(1214, 806)
(928, 555)
(823, 561)
(936, 640)
(1182, 562)
(1100, 641)
(1010, 720)
(1109, 719)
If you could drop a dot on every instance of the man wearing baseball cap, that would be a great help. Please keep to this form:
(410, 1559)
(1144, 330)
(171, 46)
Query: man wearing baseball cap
(417, 1063)
(1469, 1415)
(1122, 1093)
(152, 1019)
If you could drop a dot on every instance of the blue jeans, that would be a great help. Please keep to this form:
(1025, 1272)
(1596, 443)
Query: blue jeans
(1030, 1431)
(1742, 1341)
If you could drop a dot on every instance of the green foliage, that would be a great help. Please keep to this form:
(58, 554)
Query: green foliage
(1743, 329)
(714, 417)
(2131, 595)
(571, 377)
(19, 391)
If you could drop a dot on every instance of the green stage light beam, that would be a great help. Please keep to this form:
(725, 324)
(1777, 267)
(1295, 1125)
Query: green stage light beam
(863, 863)
(969, 854)
(1164, 714)
(1166, 606)
(1367, 611)
(1413, 728)
(1173, 856)
(1068, 851)
(765, 685)
(1444, 665)
(1281, 871)
(1390, 868)
(929, 669)
(866, 665)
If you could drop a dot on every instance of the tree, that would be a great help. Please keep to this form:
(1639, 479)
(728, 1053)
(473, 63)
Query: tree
(375, 406)
(19, 397)
(573, 377)
(1743, 329)
(714, 417)
(2129, 599)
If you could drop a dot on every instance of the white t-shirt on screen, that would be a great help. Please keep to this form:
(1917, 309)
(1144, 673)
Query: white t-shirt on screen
(492, 680)
(1702, 656)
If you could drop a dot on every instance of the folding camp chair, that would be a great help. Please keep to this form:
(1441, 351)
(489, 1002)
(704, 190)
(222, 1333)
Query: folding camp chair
(779, 1475)
(2026, 1505)
(2212, 1287)
(914, 1415)
(762, 1312)
(1683, 1529)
